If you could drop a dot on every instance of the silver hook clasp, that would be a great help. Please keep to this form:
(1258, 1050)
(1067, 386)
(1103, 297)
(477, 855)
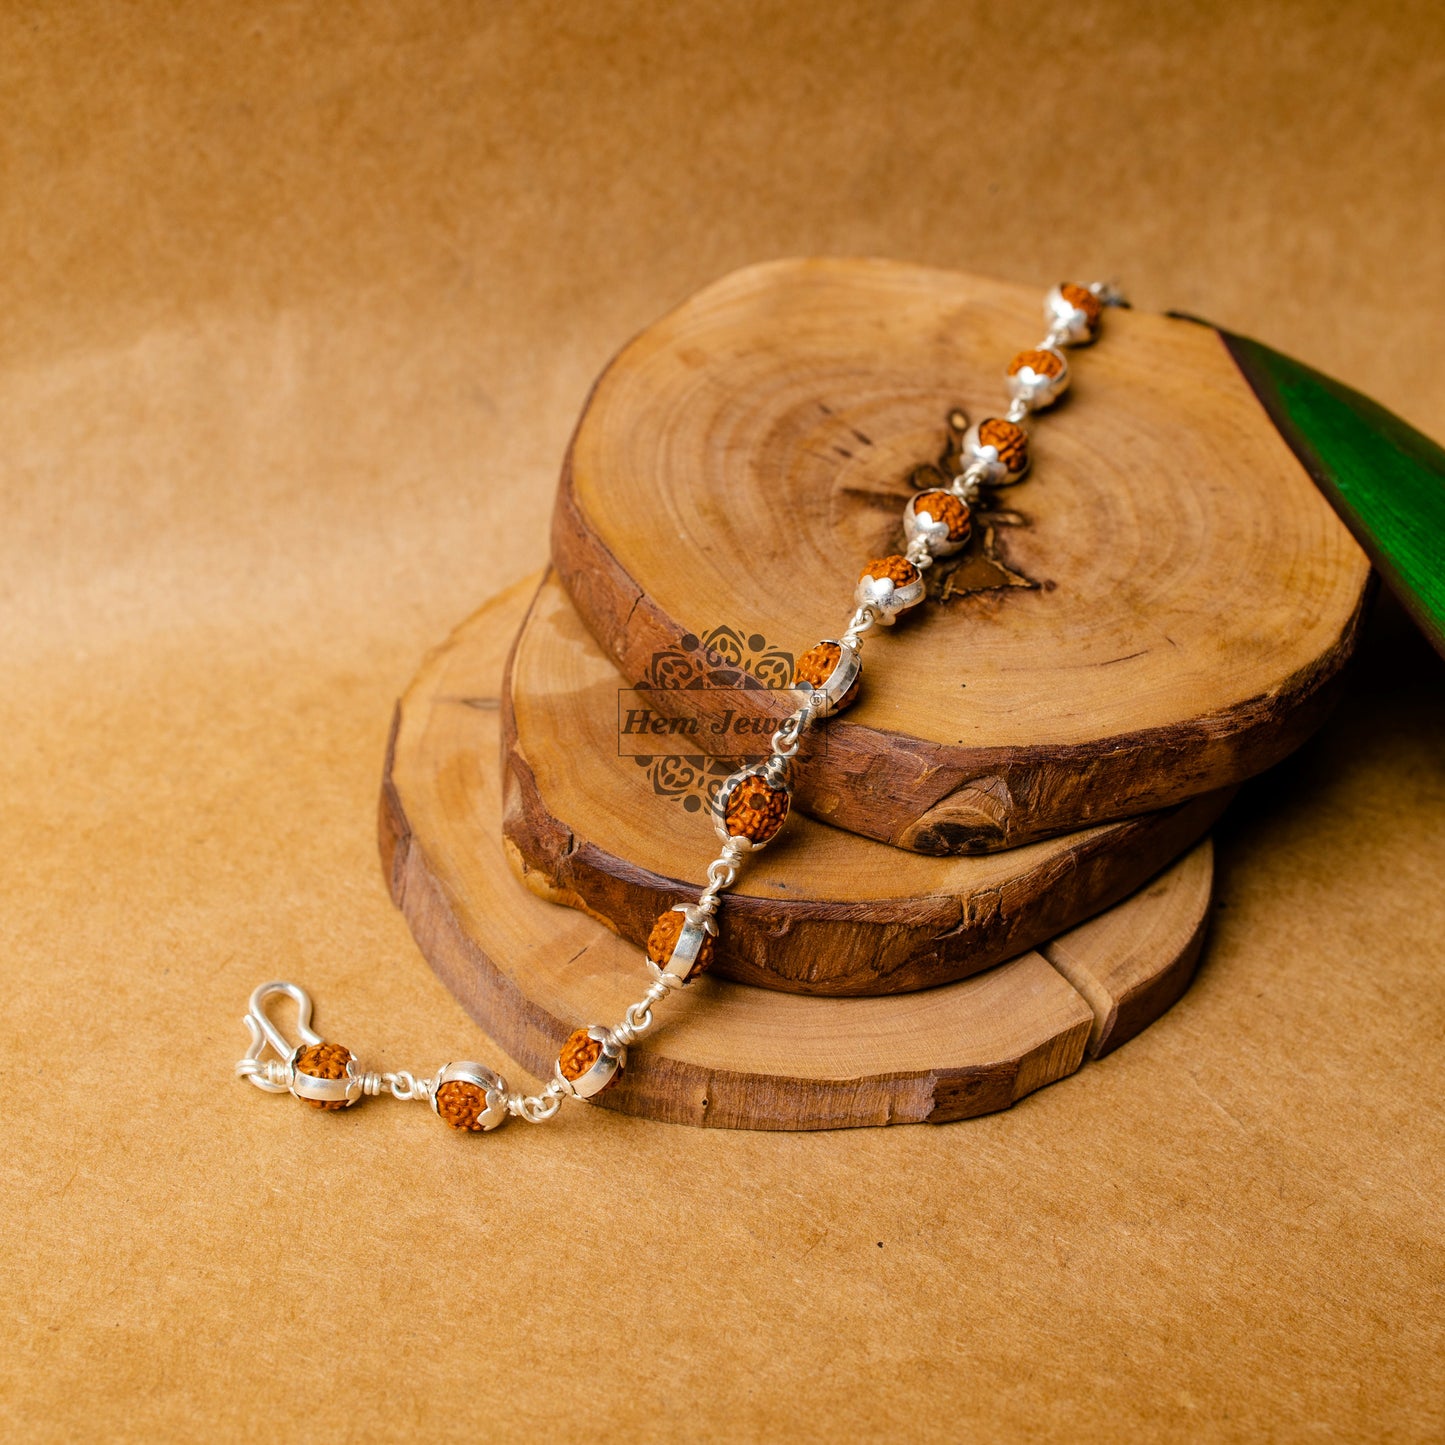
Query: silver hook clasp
(264, 1032)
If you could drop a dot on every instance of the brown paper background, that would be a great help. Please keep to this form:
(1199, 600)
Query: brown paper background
(297, 304)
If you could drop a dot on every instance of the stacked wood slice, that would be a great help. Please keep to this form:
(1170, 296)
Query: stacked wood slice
(1001, 864)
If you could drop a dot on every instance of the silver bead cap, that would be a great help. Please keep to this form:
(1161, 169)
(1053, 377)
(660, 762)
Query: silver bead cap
(468, 1071)
(825, 699)
(983, 460)
(924, 527)
(887, 598)
(723, 800)
(1037, 389)
(602, 1071)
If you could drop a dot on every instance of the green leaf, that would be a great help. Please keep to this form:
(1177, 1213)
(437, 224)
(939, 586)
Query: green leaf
(1384, 478)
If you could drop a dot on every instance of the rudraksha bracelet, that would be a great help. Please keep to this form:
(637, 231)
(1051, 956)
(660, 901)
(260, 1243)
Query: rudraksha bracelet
(750, 807)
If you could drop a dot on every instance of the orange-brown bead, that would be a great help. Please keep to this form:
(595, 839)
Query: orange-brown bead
(756, 810)
(1008, 439)
(946, 508)
(462, 1105)
(1041, 363)
(899, 569)
(324, 1061)
(816, 666)
(1085, 300)
(663, 939)
(578, 1054)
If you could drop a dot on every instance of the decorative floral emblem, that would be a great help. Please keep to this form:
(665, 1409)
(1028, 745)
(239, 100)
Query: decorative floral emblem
(726, 657)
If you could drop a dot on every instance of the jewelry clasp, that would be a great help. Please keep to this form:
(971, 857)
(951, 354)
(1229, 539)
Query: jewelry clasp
(263, 1032)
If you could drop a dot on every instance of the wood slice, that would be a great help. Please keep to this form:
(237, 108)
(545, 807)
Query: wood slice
(727, 1055)
(821, 911)
(1117, 961)
(1161, 609)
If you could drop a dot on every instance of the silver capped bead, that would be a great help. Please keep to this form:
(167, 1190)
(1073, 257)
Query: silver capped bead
(601, 1072)
(491, 1083)
(723, 801)
(697, 928)
(929, 525)
(888, 598)
(342, 1092)
(1039, 377)
(1001, 460)
(832, 693)
(1073, 320)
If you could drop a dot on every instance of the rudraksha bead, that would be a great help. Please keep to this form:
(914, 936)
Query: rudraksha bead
(890, 586)
(945, 508)
(663, 939)
(1073, 314)
(323, 1061)
(1038, 376)
(898, 570)
(462, 1105)
(587, 1063)
(578, 1054)
(1082, 299)
(1008, 439)
(756, 810)
(997, 451)
(936, 521)
(1039, 360)
(816, 666)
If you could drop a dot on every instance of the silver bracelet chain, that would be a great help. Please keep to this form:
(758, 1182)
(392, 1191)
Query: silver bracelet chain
(751, 805)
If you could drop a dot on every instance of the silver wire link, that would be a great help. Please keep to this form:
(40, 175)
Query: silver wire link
(272, 1075)
(722, 873)
(638, 1018)
(919, 554)
(968, 486)
(403, 1085)
(789, 736)
(536, 1108)
(863, 619)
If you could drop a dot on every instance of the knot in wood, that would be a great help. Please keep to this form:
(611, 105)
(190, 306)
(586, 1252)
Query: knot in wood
(323, 1061)
(898, 569)
(1008, 439)
(946, 508)
(756, 809)
(663, 939)
(1040, 362)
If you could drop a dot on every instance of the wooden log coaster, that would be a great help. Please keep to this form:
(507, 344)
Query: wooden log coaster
(822, 910)
(725, 1054)
(1162, 609)
(1135, 961)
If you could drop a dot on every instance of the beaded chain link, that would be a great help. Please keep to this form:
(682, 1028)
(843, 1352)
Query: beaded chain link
(751, 806)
